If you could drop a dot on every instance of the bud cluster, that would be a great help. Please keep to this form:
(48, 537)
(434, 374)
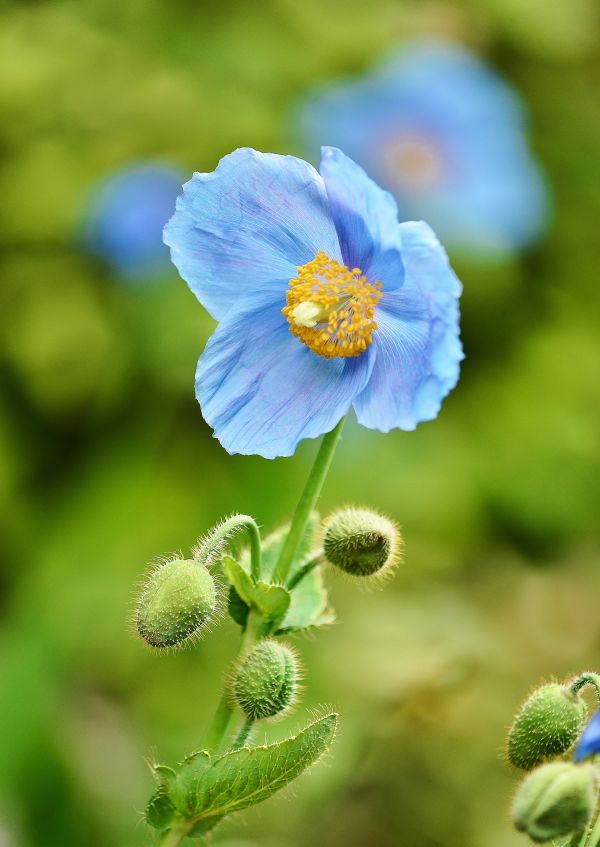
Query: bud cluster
(557, 798)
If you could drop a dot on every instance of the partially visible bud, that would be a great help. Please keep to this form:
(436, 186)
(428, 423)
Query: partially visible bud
(266, 682)
(361, 542)
(176, 602)
(547, 724)
(555, 800)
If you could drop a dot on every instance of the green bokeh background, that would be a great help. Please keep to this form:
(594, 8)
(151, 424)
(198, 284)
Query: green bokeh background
(105, 461)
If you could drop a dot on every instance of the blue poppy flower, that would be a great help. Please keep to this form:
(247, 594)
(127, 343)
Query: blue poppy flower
(446, 136)
(126, 216)
(324, 301)
(589, 743)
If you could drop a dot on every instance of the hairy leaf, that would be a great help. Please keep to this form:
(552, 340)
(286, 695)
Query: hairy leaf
(204, 792)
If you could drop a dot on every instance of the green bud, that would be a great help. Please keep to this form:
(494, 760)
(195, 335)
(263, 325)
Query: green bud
(361, 542)
(547, 725)
(266, 682)
(555, 800)
(177, 601)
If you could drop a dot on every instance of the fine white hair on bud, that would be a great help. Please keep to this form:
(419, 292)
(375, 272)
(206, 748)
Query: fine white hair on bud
(555, 801)
(547, 725)
(266, 681)
(176, 602)
(361, 542)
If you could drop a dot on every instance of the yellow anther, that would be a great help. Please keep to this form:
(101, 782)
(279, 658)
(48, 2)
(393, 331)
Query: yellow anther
(331, 308)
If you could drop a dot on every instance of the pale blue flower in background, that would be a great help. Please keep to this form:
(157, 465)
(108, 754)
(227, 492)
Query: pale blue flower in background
(324, 301)
(125, 216)
(446, 135)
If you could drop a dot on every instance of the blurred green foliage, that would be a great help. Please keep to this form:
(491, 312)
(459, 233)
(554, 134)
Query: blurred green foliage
(105, 461)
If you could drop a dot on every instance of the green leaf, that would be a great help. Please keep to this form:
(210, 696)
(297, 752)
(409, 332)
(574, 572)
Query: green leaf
(205, 792)
(273, 544)
(272, 601)
(309, 605)
(160, 811)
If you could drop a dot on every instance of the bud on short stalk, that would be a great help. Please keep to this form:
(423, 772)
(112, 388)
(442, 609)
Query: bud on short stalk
(265, 683)
(555, 800)
(177, 601)
(361, 542)
(547, 724)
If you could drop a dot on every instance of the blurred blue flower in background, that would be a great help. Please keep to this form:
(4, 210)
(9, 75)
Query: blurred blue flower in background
(446, 135)
(324, 301)
(589, 743)
(125, 217)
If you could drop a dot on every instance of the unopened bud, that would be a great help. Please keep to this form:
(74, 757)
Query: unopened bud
(555, 800)
(361, 542)
(266, 681)
(547, 724)
(177, 601)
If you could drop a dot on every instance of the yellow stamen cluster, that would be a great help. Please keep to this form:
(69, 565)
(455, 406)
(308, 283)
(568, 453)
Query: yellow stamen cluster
(331, 308)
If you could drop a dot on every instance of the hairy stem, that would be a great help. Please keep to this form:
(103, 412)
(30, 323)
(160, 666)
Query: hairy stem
(213, 544)
(583, 679)
(307, 502)
(174, 836)
(219, 730)
(594, 836)
(243, 734)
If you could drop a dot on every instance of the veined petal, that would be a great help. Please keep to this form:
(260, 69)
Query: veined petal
(365, 217)
(417, 342)
(262, 390)
(247, 225)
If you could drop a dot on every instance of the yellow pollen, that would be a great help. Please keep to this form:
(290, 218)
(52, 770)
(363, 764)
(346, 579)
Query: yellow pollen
(331, 309)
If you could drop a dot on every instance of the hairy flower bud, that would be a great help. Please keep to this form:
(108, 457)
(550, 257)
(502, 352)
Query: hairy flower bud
(361, 542)
(547, 724)
(555, 800)
(176, 602)
(266, 681)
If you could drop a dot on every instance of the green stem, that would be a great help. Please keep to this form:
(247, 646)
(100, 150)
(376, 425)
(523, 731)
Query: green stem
(174, 836)
(255, 549)
(212, 545)
(304, 570)
(307, 503)
(224, 717)
(594, 836)
(243, 734)
(583, 679)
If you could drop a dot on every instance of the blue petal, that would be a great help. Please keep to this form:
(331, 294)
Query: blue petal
(417, 342)
(589, 743)
(365, 217)
(247, 225)
(262, 390)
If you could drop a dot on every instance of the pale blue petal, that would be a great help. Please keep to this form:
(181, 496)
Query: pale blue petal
(417, 342)
(589, 743)
(247, 225)
(365, 217)
(262, 390)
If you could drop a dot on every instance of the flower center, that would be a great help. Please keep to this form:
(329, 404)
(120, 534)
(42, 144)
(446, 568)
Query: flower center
(331, 308)
(412, 162)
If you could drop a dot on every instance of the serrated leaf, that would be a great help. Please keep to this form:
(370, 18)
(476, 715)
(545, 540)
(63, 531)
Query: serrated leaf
(205, 792)
(163, 774)
(160, 811)
(271, 601)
